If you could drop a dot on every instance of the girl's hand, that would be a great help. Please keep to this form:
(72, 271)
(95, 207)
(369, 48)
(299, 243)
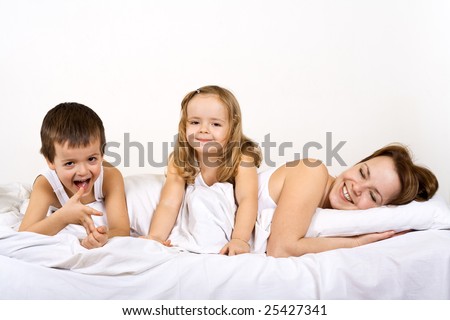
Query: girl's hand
(74, 212)
(96, 239)
(235, 247)
(166, 243)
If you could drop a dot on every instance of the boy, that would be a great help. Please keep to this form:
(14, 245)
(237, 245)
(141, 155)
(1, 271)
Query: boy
(86, 195)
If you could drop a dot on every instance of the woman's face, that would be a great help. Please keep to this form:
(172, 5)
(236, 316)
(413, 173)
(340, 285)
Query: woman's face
(366, 185)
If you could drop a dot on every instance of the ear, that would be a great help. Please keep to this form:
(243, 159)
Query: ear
(50, 164)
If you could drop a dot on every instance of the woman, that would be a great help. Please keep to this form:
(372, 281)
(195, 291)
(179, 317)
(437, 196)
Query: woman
(296, 190)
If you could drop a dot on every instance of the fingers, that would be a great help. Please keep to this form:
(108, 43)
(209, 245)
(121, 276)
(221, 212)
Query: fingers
(77, 196)
(224, 250)
(88, 224)
(386, 234)
(93, 212)
(95, 239)
(167, 243)
(373, 237)
(102, 229)
(401, 233)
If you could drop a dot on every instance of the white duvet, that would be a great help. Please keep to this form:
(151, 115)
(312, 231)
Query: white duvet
(413, 266)
(33, 266)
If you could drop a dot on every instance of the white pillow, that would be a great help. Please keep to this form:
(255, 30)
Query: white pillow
(11, 198)
(431, 214)
(142, 192)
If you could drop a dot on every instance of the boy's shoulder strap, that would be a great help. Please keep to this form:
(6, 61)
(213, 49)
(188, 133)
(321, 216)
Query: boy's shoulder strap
(56, 184)
(98, 186)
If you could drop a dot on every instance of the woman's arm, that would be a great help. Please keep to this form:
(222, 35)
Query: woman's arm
(246, 193)
(115, 203)
(166, 212)
(298, 188)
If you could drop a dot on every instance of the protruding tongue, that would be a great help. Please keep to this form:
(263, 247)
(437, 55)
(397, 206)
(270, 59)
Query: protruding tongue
(82, 184)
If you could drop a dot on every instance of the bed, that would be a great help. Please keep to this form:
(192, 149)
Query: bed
(415, 265)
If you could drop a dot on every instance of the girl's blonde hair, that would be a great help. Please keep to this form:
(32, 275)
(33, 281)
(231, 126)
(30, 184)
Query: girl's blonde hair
(237, 146)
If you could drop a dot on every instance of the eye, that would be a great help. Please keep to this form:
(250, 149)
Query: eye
(193, 123)
(216, 124)
(68, 164)
(92, 159)
(362, 173)
(372, 195)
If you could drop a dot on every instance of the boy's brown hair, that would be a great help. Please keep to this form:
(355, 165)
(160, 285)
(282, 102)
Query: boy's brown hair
(70, 122)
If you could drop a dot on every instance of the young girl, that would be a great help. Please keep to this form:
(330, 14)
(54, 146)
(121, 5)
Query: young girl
(85, 195)
(211, 148)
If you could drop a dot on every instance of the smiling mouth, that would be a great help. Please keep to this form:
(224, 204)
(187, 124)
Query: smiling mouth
(346, 194)
(82, 183)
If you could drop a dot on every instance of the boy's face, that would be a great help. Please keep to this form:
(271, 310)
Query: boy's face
(77, 167)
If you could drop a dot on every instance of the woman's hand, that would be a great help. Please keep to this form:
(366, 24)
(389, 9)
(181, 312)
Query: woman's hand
(373, 237)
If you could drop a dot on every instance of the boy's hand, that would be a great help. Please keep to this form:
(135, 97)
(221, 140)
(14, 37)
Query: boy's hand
(96, 239)
(235, 247)
(74, 212)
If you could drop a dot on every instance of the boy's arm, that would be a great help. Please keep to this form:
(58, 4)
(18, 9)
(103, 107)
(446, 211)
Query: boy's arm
(35, 219)
(115, 203)
(166, 212)
(246, 193)
(42, 196)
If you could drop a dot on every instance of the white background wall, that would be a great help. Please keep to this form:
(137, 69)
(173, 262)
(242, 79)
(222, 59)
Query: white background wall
(370, 72)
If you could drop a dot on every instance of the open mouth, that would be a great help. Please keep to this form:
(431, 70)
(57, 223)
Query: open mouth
(346, 194)
(82, 183)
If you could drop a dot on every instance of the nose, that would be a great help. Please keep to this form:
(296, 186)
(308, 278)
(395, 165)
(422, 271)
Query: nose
(359, 187)
(204, 127)
(82, 169)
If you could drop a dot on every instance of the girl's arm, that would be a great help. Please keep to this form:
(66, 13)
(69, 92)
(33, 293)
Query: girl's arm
(41, 198)
(246, 193)
(166, 212)
(299, 189)
(115, 203)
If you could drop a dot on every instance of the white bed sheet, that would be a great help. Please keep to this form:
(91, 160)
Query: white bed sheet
(412, 266)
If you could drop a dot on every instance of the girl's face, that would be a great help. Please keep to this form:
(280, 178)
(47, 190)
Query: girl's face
(77, 167)
(366, 185)
(207, 125)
